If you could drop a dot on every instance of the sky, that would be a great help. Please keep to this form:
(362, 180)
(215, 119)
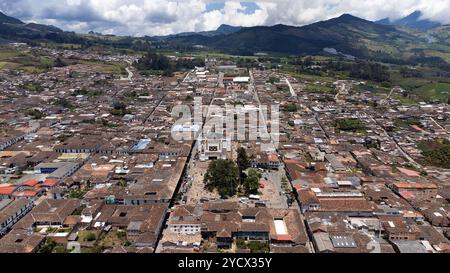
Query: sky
(163, 17)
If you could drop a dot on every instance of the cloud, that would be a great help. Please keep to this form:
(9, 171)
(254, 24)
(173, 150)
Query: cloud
(161, 17)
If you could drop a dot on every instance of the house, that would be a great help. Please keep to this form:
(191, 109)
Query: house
(143, 223)
(10, 140)
(49, 212)
(268, 161)
(410, 190)
(336, 165)
(409, 246)
(225, 222)
(57, 170)
(287, 228)
(396, 228)
(349, 203)
(185, 220)
(6, 191)
(11, 211)
(80, 145)
(308, 200)
(21, 241)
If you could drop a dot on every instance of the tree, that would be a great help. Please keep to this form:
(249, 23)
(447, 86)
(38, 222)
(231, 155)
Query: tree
(89, 237)
(48, 246)
(251, 182)
(63, 102)
(35, 114)
(152, 61)
(223, 176)
(350, 125)
(292, 107)
(242, 162)
(119, 109)
(59, 62)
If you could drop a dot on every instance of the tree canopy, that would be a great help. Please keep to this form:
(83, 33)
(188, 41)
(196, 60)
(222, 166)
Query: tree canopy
(222, 175)
(251, 182)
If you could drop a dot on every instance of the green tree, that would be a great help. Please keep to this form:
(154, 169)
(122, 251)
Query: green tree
(59, 62)
(119, 109)
(35, 114)
(251, 182)
(153, 61)
(292, 107)
(222, 175)
(48, 246)
(63, 102)
(243, 163)
(350, 125)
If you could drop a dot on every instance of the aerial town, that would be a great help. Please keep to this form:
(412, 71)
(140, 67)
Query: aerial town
(89, 164)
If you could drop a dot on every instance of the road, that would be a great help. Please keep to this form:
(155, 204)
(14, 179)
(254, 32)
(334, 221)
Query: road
(130, 73)
(383, 101)
(341, 89)
(438, 125)
(291, 89)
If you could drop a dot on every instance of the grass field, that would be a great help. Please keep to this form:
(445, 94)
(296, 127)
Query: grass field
(434, 91)
(11, 58)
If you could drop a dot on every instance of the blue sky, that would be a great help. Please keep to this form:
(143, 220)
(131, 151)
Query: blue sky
(162, 17)
(250, 7)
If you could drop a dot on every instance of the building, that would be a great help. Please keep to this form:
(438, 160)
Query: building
(57, 170)
(411, 190)
(21, 241)
(143, 223)
(6, 142)
(185, 220)
(336, 165)
(268, 161)
(79, 146)
(349, 203)
(308, 200)
(211, 149)
(11, 211)
(49, 212)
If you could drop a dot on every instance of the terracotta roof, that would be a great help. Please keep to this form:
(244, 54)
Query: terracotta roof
(7, 190)
(345, 204)
(30, 183)
(49, 183)
(28, 193)
(307, 197)
(421, 185)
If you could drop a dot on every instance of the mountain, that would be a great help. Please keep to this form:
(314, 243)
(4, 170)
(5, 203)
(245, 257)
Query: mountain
(221, 30)
(347, 34)
(12, 29)
(227, 29)
(9, 20)
(412, 21)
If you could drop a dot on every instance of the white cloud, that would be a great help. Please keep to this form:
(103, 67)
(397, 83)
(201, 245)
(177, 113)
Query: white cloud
(161, 17)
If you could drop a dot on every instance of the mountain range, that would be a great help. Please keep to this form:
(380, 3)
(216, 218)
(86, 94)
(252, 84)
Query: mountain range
(414, 21)
(14, 30)
(347, 34)
(221, 30)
